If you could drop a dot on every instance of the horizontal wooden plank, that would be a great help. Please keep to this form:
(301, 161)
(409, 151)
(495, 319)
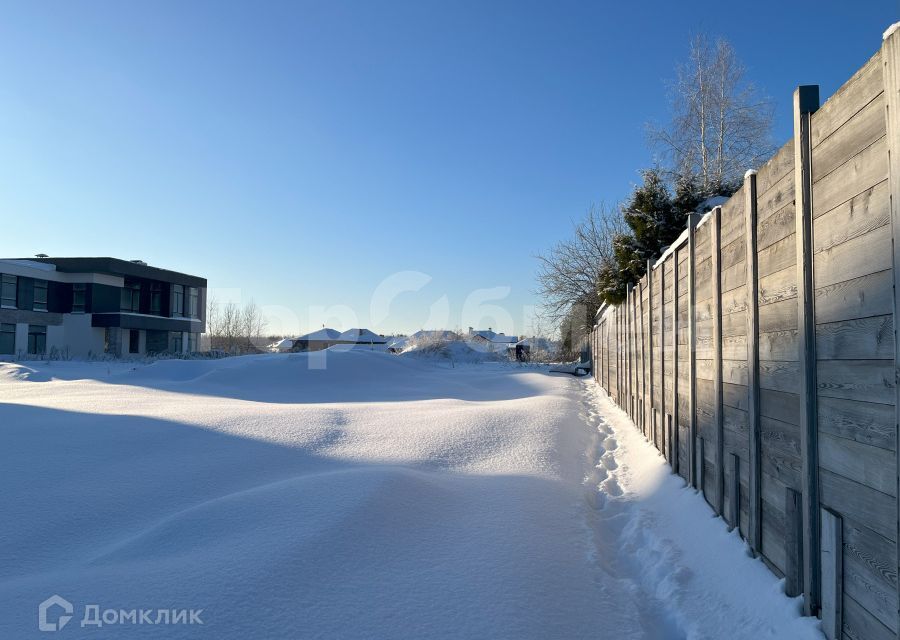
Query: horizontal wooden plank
(778, 316)
(734, 324)
(864, 504)
(863, 463)
(860, 624)
(779, 376)
(778, 286)
(732, 253)
(735, 420)
(735, 441)
(780, 436)
(776, 227)
(861, 172)
(777, 256)
(869, 295)
(860, 131)
(734, 301)
(734, 395)
(860, 339)
(866, 380)
(772, 490)
(773, 200)
(864, 212)
(779, 405)
(732, 223)
(776, 168)
(876, 553)
(772, 543)
(734, 277)
(735, 372)
(865, 422)
(701, 242)
(862, 87)
(779, 464)
(863, 255)
(734, 348)
(779, 345)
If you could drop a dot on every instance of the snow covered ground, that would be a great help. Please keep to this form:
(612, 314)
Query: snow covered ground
(378, 497)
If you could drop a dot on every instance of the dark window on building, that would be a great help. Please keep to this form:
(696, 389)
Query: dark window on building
(40, 299)
(7, 338)
(193, 302)
(8, 293)
(192, 342)
(177, 342)
(134, 341)
(131, 297)
(78, 295)
(37, 338)
(177, 301)
(157, 341)
(156, 299)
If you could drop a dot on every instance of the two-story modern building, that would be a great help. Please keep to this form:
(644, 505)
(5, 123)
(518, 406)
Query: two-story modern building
(92, 306)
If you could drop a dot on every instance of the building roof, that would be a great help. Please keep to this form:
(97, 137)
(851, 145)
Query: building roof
(498, 338)
(30, 264)
(119, 267)
(361, 335)
(321, 334)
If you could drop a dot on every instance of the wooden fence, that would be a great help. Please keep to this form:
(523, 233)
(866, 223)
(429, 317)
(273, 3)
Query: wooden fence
(759, 354)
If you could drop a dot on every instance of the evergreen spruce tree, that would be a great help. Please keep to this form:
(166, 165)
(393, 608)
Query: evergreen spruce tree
(655, 220)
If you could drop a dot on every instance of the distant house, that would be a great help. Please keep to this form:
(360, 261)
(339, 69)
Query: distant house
(493, 341)
(362, 337)
(93, 306)
(325, 338)
(317, 340)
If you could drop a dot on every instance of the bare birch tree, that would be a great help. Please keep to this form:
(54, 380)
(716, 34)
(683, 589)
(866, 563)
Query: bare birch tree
(569, 274)
(721, 125)
(233, 328)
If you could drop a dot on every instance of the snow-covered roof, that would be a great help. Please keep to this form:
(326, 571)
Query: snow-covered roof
(322, 334)
(398, 342)
(361, 335)
(287, 343)
(501, 338)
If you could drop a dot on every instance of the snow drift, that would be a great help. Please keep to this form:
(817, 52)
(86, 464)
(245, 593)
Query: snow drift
(378, 497)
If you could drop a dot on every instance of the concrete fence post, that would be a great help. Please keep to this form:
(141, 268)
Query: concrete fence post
(715, 252)
(806, 102)
(693, 219)
(890, 57)
(754, 533)
(676, 354)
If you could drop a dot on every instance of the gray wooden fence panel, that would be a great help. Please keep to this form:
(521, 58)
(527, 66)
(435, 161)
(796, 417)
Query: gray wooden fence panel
(770, 339)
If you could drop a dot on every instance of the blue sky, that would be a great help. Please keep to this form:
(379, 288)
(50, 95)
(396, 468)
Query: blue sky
(395, 163)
